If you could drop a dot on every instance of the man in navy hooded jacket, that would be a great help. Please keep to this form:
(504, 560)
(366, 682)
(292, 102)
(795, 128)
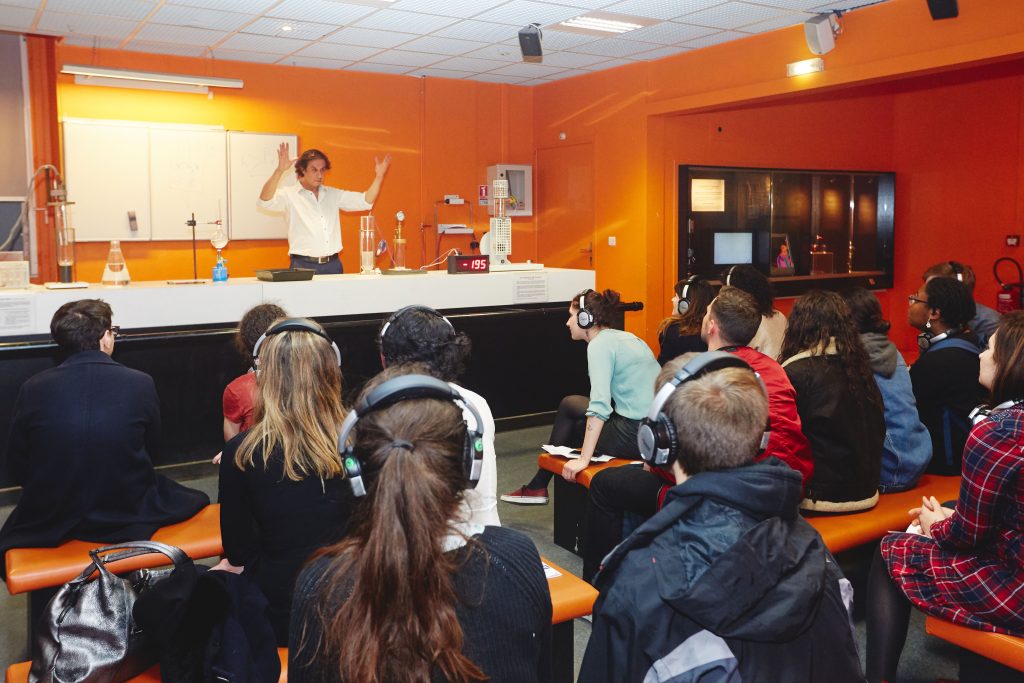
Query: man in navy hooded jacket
(726, 582)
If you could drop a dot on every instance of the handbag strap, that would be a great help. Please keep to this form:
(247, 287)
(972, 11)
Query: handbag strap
(129, 549)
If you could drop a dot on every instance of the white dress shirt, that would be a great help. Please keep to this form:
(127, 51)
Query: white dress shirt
(314, 226)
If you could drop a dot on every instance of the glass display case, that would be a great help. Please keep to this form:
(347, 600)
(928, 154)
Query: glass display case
(804, 229)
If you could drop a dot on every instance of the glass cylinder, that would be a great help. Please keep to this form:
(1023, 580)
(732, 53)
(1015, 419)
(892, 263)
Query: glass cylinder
(398, 255)
(367, 236)
(115, 272)
(65, 251)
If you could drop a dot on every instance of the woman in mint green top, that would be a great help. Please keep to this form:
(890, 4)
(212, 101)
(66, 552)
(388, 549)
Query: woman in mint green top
(622, 371)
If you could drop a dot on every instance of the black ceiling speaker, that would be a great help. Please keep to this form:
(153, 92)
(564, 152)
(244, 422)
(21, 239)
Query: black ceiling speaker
(942, 9)
(529, 43)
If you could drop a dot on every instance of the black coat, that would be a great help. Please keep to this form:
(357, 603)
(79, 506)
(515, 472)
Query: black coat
(81, 438)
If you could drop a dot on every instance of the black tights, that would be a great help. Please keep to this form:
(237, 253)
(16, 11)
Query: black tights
(888, 618)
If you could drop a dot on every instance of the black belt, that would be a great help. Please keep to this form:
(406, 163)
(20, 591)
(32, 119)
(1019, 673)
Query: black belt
(315, 259)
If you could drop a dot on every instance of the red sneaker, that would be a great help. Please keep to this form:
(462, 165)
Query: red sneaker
(525, 496)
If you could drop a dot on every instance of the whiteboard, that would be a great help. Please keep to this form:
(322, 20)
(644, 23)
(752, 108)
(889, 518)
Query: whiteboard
(252, 157)
(187, 174)
(106, 169)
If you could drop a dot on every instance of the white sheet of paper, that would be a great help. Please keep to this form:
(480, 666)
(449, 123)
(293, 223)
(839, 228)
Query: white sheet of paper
(570, 453)
(550, 572)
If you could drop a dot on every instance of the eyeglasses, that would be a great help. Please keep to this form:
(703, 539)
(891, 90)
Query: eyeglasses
(115, 330)
(914, 300)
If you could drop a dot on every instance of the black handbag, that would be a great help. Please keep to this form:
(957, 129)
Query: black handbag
(87, 631)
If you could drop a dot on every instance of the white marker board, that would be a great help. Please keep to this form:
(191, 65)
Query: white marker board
(187, 175)
(252, 157)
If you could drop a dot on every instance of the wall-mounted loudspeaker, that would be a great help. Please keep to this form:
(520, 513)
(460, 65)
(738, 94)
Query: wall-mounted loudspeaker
(819, 34)
(943, 9)
(529, 43)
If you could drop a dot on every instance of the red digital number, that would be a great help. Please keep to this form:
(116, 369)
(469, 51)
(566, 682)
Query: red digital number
(479, 264)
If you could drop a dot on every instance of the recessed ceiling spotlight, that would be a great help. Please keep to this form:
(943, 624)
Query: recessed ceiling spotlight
(603, 23)
(286, 27)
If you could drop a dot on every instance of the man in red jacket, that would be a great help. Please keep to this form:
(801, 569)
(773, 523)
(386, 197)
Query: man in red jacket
(729, 325)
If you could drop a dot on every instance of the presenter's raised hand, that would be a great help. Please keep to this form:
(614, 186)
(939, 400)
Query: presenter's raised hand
(381, 166)
(284, 159)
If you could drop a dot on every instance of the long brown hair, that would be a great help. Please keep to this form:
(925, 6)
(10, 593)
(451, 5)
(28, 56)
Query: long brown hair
(820, 318)
(1008, 355)
(700, 293)
(297, 406)
(398, 621)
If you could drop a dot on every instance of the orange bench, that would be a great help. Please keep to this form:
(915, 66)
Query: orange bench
(18, 673)
(1001, 648)
(570, 507)
(850, 530)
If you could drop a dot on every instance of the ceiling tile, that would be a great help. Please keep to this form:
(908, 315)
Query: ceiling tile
(249, 6)
(523, 12)
(104, 27)
(407, 22)
(484, 31)
(615, 47)
(583, 4)
(320, 11)
(433, 72)
(300, 30)
(469, 64)
(168, 48)
(527, 70)
(27, 4)
(500, 52)
(403, 58)
(314, 62)
(564, 74)
(244, 56)
(571, 60)
(92, 41)
(122, 9)
(561, 40)
(779, 22)
(463, 9)
(200, 18)
(715, 39)
(379, 68)
(610, 64)
(668, 33)
(18, 18)
(804, 5)
(271, 44)
(163, 33)
(660, 9)
(442, 46)
(498, 78)
(731, 15)
(660, 52)
(368, 37)
(350, 53)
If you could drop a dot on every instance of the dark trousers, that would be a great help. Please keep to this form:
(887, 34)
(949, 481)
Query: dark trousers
(332, 267)
(614, 492)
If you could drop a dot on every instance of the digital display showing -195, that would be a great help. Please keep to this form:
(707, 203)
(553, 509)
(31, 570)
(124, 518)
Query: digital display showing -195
(466, 264)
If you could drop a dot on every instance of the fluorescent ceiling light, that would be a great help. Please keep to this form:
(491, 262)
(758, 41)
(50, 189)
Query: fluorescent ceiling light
(603, 23)
(807, 66)
(147, 80)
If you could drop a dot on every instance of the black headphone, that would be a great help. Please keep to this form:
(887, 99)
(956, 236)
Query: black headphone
(292, 325)
(405, 309)
(404, 388)
(958, 270)
(981, 412)
(657, 436)
(684, 299)
(584, 316)
(926, 340)
(728, 275)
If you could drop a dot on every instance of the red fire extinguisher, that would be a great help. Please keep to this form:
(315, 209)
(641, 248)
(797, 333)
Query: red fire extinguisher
(1011, 294)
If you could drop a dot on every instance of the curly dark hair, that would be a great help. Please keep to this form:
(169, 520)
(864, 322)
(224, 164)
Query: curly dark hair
(700, 293)
(253, 324)
(603, 305)
(952, 300)
(419, 334)
(310, 155)
(1008, 354)
(866, 310)
(820, 317)
(753, 282)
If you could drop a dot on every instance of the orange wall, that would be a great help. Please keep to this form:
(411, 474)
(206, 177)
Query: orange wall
(442, 134)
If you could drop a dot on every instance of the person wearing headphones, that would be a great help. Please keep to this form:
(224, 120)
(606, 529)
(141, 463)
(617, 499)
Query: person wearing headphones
(945, 375)
(772, 329)
(963, 564)
(419, 334)
(680, 332)
(726, 581)
(985, 319)
(410, 594)
(622, 371)
(283, 493)
(240, 394)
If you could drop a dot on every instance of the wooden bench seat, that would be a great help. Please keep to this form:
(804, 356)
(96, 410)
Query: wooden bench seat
(570, 506)
(1007, 650)
(30, 569)
(850, 530)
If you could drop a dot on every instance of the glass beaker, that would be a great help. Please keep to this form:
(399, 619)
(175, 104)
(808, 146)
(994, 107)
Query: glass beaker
(367, 235)
(115, 273)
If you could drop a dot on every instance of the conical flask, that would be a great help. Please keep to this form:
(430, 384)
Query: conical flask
(115, 273)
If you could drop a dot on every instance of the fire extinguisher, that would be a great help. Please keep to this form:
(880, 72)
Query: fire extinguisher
(1011, 294)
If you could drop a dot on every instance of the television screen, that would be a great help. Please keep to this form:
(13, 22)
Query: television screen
(733, 247)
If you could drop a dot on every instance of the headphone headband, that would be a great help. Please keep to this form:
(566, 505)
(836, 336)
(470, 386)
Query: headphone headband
(584, 316)
(293, 325)
(958, 270)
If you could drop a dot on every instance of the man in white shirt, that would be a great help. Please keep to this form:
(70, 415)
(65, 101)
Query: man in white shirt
(311, 208)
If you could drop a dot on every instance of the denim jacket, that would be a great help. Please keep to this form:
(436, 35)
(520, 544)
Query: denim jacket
(908, 446)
